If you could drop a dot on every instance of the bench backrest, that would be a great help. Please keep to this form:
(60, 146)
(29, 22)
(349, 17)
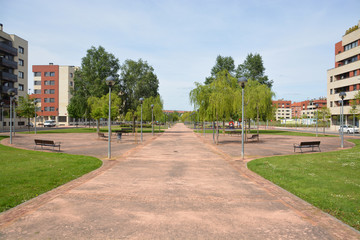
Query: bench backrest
(38, 141)
(310, 143)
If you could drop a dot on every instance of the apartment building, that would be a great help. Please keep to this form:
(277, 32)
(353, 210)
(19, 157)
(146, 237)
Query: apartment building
(52, 84)
(344, 77)
(283, 109)
(307, 108)
(13, 70)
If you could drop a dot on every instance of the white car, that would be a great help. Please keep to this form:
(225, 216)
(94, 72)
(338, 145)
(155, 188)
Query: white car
(349, 129)
(49, 123)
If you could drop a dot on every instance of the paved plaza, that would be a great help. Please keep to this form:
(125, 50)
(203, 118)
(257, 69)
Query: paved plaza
(176, 185)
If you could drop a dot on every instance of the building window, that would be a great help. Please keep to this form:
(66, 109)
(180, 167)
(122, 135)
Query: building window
(350, 46)
(355, 73)
(49, 74)
(37, 82)
(355, 87)
(21, 62)
(21, 87)
(21, 74)
(71, 84)
(49, 83)
(71, 75)
(331, 91)
(21, 50)
(37, 74)
(49, 100)
(37, 91)
(331, 104)
(37, 100)
(49, 91)
(331, 79)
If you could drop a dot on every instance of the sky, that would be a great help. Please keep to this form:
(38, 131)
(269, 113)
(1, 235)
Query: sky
(181, 39)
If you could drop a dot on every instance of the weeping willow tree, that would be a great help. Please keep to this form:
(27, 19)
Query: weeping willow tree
(258, 101)
(215, 100)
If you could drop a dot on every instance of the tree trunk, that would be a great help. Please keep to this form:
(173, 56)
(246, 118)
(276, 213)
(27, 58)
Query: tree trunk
(97, 125)
(224, 127)
(257, 120)
(134, 124)
(217, 129)
(213, 123)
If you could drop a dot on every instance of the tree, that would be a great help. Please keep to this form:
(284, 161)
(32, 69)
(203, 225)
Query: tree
(147, 111)
(138, 80)
(253, 68)
(100, 107)
(324, 114)
(26, 108)
(258, 101)
(222, 63)
(89, 80)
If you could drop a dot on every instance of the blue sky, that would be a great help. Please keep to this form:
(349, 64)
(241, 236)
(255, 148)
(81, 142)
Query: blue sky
(181, 39)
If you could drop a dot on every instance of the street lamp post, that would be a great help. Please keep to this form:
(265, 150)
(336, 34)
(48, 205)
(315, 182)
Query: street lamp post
(35, 103)
(342, 95)
(141, 102)
(242, 81)
(2, 115)
(11, 93)
(317, 118)
(110, 82)
(152, 118)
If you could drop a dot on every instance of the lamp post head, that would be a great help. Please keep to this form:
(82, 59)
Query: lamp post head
(141, 100)
(242, 81)
(342, 95)
(152, 106)
(110, 81)
(11, 92)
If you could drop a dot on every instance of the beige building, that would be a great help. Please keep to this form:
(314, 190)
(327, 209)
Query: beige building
(52, 84)
(345, 77)
(13, 71)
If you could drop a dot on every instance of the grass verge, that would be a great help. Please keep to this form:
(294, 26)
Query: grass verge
(25, 174)
(87, 130)
(277, 132)
(329, 181)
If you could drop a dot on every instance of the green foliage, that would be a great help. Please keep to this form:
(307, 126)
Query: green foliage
(89, 80)
(222, 63)
(253, 68)
(138, 80)
(147, 111)
(26, 107)
(26, 174)
(356, 27)
(329, 181)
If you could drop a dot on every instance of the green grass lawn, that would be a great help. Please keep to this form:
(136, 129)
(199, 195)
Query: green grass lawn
(277, 132)
(329, 181)
(88, 130)
(25, 174)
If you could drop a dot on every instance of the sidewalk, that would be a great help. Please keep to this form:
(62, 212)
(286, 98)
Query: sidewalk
(175, 187)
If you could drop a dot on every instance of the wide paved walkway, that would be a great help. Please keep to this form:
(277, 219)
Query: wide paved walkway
(175, 187)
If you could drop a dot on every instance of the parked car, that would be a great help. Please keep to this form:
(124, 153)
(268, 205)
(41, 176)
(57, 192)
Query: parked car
(49, 123)
(30, 124)
(349, 129)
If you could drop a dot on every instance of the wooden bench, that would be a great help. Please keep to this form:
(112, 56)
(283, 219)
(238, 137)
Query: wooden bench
(307, 145)
(47, 143)
(101, 135)
(254, 136)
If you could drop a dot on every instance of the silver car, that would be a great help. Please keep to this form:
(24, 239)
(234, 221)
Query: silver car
(349, 129)
(49, 123)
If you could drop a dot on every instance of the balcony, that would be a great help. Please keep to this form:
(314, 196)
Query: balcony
(8, 76)
(4, 89)
(8, 49)
(8, 63)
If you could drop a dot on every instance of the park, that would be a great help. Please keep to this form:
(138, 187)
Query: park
(179, 184)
